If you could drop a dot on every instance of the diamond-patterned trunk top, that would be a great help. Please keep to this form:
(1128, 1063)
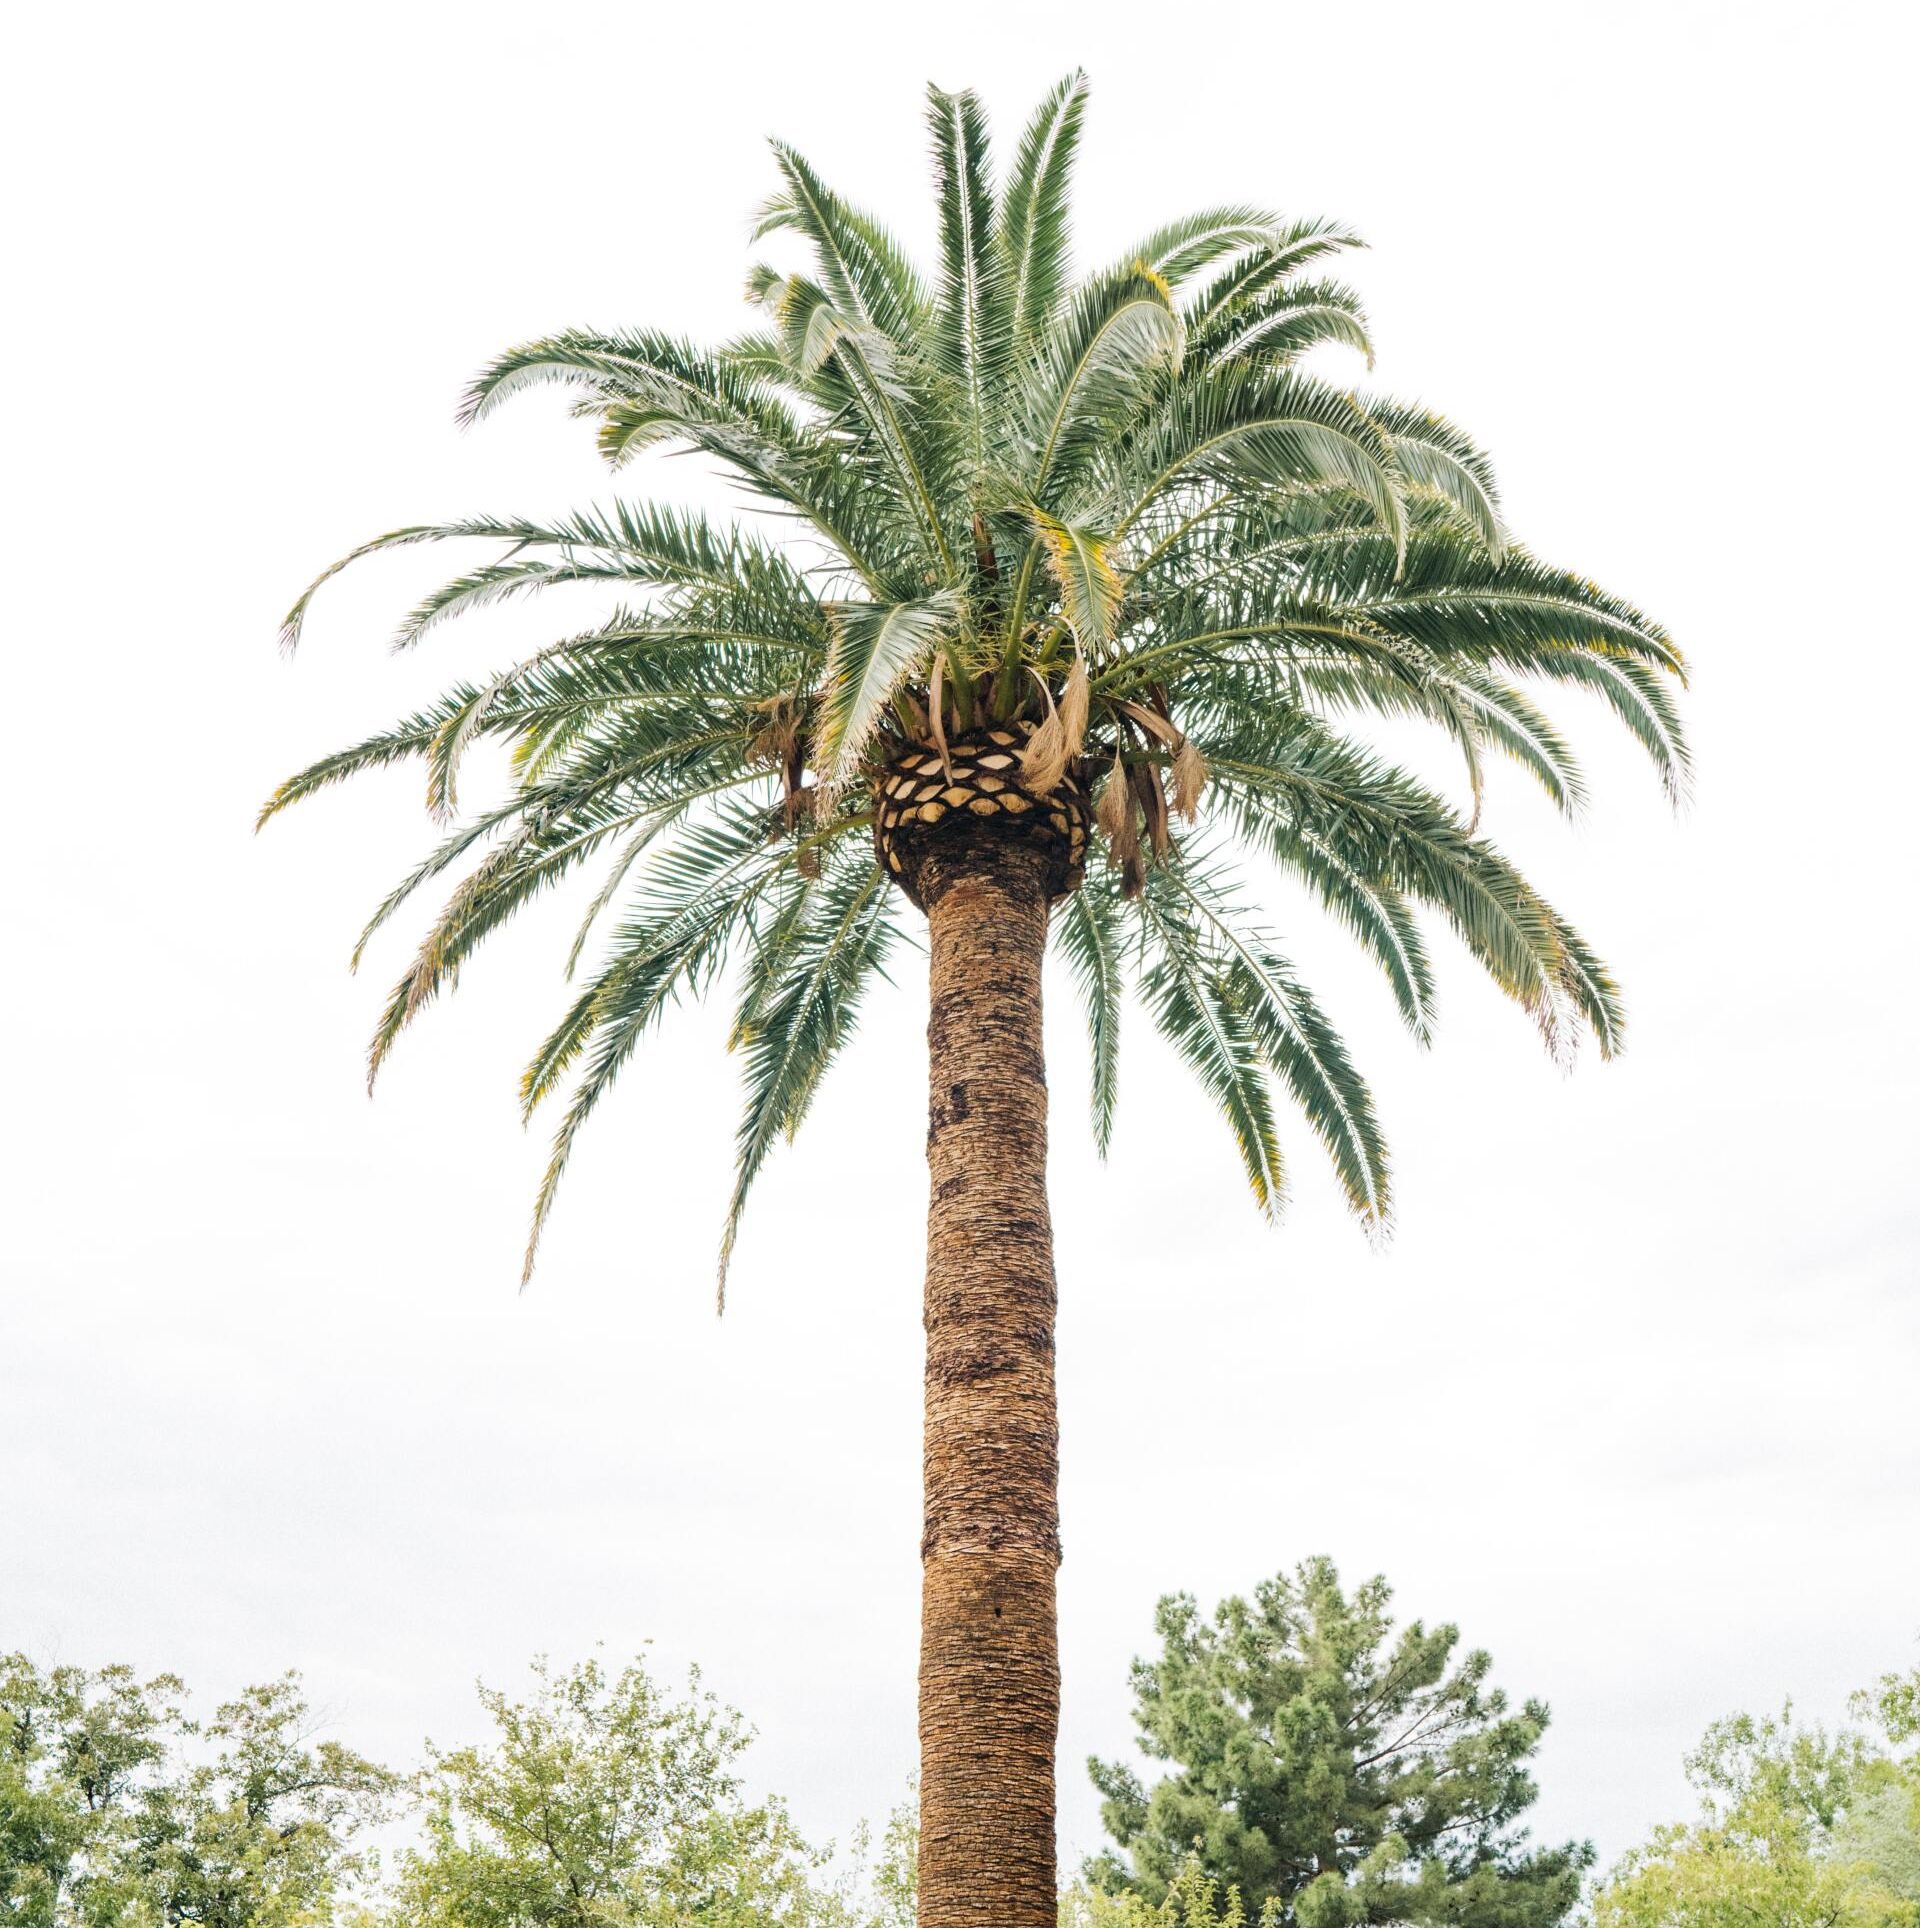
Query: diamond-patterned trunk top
(977, 793)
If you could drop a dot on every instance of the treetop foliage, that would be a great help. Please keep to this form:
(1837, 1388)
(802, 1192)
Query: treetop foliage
(117, 1811)
(1119, 511)
(1799, 1827)
(1331, 1767)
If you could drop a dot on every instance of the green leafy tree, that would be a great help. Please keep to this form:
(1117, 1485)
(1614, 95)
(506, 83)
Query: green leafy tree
(1057, 567)
(262, 1834)
(1331, 1769)
(77, 1750)
(882, 1889)
(1799, 1828)
(115, 1809)
(603, 1801)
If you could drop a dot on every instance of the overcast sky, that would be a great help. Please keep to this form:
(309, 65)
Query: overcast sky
(1631, 1393)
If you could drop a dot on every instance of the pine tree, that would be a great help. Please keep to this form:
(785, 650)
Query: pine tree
(1327, 1764)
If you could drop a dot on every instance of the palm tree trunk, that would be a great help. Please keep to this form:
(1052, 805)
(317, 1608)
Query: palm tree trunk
(989, 1659)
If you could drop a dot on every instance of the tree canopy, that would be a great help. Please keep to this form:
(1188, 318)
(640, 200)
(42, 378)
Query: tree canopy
(1798, 1828)
(117, 1811)
(1332, 1769)
(602, 1801)
(1122, 516)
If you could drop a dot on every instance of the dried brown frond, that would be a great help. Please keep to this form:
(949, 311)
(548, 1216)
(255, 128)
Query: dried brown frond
(936, 714)
(1153, 804)
(1115, 814)
(1189, 779)
(1076, 700)
(1157, 726)
(777, 736)
(1044, 761)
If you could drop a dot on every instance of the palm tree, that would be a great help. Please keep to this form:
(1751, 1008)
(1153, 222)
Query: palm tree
(1066, 561)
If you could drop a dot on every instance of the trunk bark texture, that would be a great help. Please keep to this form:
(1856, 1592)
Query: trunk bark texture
(989, 1659)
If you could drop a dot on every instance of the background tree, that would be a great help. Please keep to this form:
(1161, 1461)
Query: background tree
(1072, 565)
(1799, 1828)
(602, 1801)
(77, 1749)
(116, 1809)
(1331, 1768)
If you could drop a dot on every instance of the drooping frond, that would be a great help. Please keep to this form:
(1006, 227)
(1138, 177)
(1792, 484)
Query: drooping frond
(1191, 991)
(1300, 1048)
(1088, 930)
(1081, 564)
(804, 985)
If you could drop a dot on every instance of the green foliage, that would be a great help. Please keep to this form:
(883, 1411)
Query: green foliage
(1799, 1828)
(1331, 1770)
(1008, 485)
(1193, 1899)
(116, 1809)
(602, 1799)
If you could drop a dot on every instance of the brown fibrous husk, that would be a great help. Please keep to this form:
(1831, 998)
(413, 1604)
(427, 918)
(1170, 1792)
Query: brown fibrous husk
(1189, 779)
(1044, 760)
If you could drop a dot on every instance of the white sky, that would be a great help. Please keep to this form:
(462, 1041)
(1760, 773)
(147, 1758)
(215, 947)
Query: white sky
(1631, 1394)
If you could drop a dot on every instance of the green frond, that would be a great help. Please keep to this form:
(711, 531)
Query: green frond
(1083, 569)
(1301, 1048)
(1088, 930)
(700, 897)
(1258, 428)
(1179, 250)
(1432, 454)
(1116, 336)
(1190, 990)
(1269, 256)
(1385, 825)
(804, 986)
(1509, 720)
(1032, 229)
(1372, 909)
(863, 267)
(510, 877)
(1635, 693)
(875, 645)
(1281, 326)
(384, 747)
(970, 339)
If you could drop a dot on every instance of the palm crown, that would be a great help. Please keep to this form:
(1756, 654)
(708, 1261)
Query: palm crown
(1115, 521)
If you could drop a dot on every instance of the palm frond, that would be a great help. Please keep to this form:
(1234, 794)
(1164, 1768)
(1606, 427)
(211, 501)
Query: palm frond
(1117, 335)
(803, 991)
(1087, 929)
(1194, 1000)
(866, 270)
(970, 335)
(875, 645)
(1300, 1046)
(1081, 564)
(1032, 228)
